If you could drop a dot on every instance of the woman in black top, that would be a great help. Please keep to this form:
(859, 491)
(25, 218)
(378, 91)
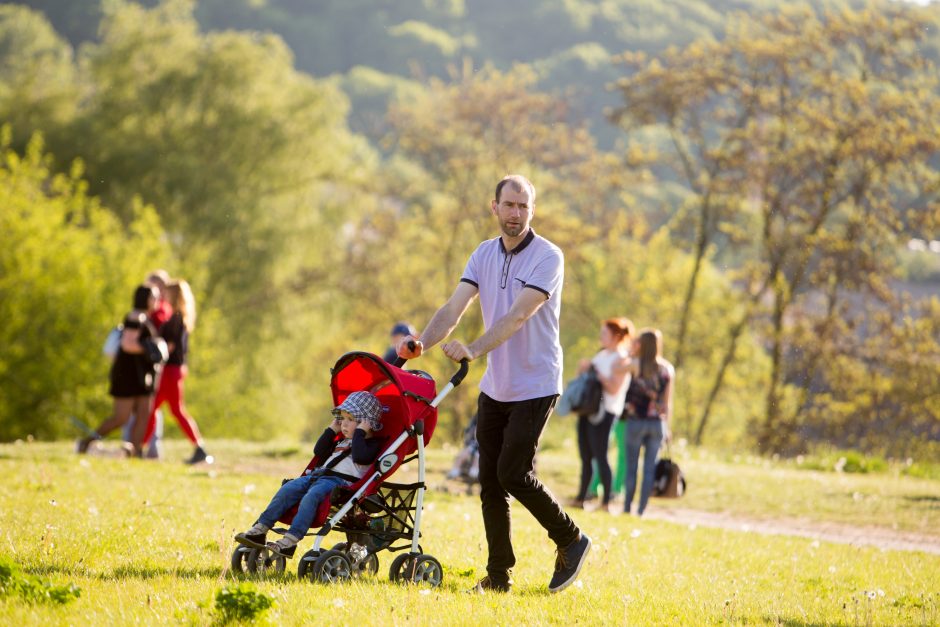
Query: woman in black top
(132, 373)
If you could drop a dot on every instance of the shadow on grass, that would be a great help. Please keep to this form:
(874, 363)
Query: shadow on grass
(796, 622)
(934, 501)
(128, 572)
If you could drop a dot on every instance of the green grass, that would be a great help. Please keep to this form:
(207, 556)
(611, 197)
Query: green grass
(150, 543)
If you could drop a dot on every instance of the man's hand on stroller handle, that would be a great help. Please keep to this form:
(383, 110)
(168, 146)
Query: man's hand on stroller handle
(410, 347)
(457, 351)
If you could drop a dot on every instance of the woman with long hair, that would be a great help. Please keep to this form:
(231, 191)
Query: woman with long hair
(648, 408)
(610, 364)
(132, 373)
(176, 332)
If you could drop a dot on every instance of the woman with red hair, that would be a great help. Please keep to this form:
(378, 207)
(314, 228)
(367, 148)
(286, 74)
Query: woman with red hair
(611, 364)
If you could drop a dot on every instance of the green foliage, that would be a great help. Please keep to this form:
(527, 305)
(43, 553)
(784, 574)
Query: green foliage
(15, 583)
(38, 87)
(68, 268)
(241, 601)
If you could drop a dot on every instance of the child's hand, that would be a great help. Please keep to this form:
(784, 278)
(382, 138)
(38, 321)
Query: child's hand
(336, 424)
(364, 425)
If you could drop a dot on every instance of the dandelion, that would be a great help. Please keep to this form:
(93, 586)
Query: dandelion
(53, 503)
(746, 528)
(424, 592)
(248, 489)
(840, 465)
(613, 531)
(338, 603)
(93, 510)
(466, 516)
(832, 569)
(636, 533)
(814, 544)
(856, 496)
(880, 592)
(693, 527)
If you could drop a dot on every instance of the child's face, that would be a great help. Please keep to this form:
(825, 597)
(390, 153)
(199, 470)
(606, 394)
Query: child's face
(347, 424)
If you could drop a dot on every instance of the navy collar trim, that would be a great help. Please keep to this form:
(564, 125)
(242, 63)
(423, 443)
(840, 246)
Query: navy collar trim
(518, 249)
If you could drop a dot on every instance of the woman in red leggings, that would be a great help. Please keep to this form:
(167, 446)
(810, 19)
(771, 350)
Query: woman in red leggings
(176, 332)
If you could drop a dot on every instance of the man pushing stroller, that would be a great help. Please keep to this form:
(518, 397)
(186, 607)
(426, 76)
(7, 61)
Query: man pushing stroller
(349, 446)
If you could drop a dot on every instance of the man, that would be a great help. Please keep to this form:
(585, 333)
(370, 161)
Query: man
(518, 277)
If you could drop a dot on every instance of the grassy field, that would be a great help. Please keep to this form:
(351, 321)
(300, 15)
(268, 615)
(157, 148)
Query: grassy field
(150, 542)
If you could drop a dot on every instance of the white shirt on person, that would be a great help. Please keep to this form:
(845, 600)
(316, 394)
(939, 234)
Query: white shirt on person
(529, 364)
(604, 362)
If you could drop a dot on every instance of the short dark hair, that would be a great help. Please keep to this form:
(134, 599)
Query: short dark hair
(519, 183)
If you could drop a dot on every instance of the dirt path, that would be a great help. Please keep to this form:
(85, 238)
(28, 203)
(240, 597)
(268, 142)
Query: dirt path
(879, 537)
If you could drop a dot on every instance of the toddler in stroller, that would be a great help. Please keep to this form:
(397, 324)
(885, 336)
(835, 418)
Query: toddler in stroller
(373, 513)
(349, 448)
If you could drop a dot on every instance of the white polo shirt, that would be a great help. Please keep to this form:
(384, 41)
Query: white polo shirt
(528, 364)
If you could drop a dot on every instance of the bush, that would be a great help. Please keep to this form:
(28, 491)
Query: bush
(14, 582)
(241, 602)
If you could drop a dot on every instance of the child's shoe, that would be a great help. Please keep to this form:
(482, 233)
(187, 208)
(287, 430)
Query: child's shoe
(283, 547)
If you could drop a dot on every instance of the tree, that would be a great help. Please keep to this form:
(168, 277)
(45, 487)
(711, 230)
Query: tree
(60, 285)
(37, 77)
(796, 135)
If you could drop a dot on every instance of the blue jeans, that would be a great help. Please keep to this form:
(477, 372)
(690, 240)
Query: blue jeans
(648, 434)
(309, 491)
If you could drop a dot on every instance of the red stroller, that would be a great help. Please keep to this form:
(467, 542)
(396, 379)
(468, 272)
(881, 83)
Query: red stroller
(373, 513)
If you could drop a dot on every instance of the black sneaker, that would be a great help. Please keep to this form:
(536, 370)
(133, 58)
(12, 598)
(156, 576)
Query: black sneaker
(254, 540)
(487, 584)
(199, 456)
(569, 562)
(281, 550)
(81, 447)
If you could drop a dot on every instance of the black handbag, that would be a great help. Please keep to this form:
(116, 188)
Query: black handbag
(668, 480)
(155, 349)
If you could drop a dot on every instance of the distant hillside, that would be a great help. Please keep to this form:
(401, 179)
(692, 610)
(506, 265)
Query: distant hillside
(379, 49)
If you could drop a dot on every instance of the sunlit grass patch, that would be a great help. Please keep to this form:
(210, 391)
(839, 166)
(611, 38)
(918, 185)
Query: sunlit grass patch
(150, 543)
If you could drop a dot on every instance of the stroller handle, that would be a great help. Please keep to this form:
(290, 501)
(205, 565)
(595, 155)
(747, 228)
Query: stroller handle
(461, 373)
(398, 363)
(455, 380)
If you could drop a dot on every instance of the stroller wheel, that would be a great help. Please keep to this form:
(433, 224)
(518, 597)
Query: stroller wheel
(262, 561)
(331, 567)
(305, 564)
(240, 560)
(402, 568)
(368, 565)
(427, 570)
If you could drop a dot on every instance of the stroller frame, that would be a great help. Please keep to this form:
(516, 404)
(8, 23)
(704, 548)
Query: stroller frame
(374, 514)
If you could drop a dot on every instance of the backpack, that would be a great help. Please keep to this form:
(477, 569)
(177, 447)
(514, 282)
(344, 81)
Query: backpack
(668, 480)
(585, 393)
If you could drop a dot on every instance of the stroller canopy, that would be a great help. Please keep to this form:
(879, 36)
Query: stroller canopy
(405, 396)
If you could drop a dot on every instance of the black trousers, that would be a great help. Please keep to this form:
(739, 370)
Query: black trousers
(508, 435)
(593, 444)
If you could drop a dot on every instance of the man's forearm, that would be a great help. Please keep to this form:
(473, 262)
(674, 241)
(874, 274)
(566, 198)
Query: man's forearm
(497, 334)
(442, 323)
